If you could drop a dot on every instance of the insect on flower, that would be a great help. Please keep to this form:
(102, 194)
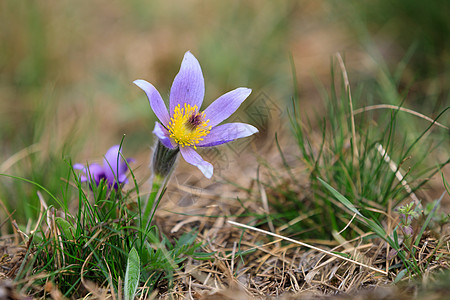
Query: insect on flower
(184, 126)
(113, 171)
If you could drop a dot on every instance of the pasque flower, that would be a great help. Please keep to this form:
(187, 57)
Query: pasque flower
(184, 126)
(113, 171)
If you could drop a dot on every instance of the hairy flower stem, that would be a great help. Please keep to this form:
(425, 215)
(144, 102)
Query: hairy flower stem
(163, 163)
(158, 186)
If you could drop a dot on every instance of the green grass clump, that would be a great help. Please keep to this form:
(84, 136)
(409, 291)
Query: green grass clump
(93, 245)
(353, 165)
(353, 158)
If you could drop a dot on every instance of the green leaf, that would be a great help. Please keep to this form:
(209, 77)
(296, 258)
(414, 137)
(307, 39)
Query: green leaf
(377, 229)
(396, 238)
(132, 274)
(203, 255)
(400, 275)
(342, 254)
(427, 221)
(371, 223)
(186, 240)
(66, 228)
(340, 197)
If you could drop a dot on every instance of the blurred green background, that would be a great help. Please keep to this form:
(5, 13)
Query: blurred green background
(66, 68)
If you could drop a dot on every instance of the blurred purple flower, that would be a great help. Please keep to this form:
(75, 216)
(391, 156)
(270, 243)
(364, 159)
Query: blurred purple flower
(407, 230)
(392, 253)
(114, 169)
(184, 126)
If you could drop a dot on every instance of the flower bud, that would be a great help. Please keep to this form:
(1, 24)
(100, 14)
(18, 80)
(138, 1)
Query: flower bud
(163, 160)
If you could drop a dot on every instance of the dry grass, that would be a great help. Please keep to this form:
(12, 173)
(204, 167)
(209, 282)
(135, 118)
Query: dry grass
(254, 264)
(276, 268)
(250, 264)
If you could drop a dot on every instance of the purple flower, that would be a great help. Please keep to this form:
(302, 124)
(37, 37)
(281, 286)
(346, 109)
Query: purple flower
(407, 230)
(114, 169)
(184, 126)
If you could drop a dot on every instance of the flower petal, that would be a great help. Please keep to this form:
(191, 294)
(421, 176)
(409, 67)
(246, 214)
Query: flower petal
(225, 105)
(156, 102)
(78, 167)
(123, 168)
(226, 133)
(110, 164)
(94, 171)
(195, 159)
(122, 179)
(163, 135)
(189, 85)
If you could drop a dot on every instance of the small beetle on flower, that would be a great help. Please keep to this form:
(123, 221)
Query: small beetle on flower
(113, 171)
(184, 127)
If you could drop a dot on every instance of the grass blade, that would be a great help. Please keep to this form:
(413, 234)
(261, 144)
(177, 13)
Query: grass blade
(341, 198)
(370, 223)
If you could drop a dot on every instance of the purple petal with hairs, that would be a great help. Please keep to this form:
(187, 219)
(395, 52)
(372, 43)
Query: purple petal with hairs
(94, 171)
(112, 157)
(226, 133)
(195, 159)
(188, 86)
(163, 135)
(155, 99)
(225, 105)
(110, 171)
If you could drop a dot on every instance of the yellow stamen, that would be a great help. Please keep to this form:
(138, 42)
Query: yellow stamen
(187, 126)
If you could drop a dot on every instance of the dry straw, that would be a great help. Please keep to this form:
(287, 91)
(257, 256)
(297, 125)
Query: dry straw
(307, 245)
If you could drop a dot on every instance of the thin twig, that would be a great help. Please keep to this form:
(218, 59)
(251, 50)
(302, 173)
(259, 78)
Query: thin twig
(44, 207)
(233, 254)
(349, 93)
(19, 156)
(343, 251)
(306, 245)
(348, 224)
(389, 106)
(393, 166)
(297, 219)
(265, 204)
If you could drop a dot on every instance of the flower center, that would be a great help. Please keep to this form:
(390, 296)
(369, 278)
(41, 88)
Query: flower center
(188, 126)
